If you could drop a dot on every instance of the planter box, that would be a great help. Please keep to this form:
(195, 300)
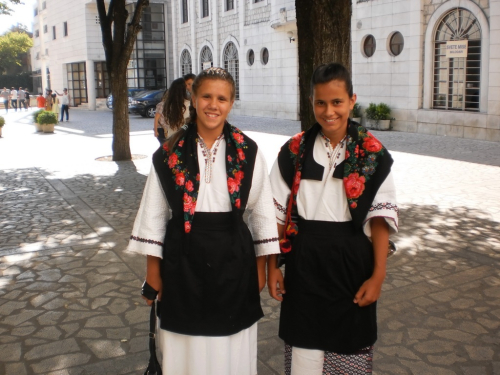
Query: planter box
(380, 125)
(38, 127)
(48, 128)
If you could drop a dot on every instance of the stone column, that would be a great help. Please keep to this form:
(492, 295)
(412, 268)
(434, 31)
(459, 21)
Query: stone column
(90, 77)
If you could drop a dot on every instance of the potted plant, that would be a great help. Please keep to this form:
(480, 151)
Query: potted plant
(378, 116)
(356, 113)
(2, 123)
(35, 119)
(47, 119)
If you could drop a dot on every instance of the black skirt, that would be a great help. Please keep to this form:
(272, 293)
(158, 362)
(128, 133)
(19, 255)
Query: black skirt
(328, 264)
(210, 280)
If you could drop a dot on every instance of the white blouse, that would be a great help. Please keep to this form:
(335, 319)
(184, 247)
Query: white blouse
(154, 212)
(326, 200)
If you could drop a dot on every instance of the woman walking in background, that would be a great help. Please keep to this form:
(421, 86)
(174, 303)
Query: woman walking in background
(55, 105)
(172, 112)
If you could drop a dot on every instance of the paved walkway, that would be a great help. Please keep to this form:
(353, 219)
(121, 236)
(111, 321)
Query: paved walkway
(69, 299)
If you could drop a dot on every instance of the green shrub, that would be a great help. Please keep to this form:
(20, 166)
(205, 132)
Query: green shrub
(356, 111)
(47, 117)
(36, 113)
(378, 112)
(2, 121)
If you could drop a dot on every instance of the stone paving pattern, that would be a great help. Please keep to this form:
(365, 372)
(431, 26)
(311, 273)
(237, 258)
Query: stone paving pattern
(69, 300)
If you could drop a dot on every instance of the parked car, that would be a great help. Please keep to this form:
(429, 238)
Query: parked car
(131, 94)
(145, 103)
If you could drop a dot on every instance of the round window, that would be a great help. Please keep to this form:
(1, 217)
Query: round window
(369, 46)
(264, 56)
(396, 43)
(250, 57)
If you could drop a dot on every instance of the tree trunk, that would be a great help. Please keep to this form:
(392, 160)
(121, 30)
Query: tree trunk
(324, 36)
(118, 39)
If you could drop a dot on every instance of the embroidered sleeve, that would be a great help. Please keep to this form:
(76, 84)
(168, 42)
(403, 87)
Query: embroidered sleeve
(281, 193)
(151, 220)
(260, 210)
(384, 205)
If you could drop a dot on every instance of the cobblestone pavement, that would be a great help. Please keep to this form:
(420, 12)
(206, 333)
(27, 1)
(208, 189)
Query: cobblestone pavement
(69, 299)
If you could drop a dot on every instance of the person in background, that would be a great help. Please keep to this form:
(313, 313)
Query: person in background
(5, 94)
(55, 105)
(13, 98)
(27, 101)
(173, 110)
(65, 100)
(21, 97)
(40, 101)
(48, 100)
(189, 78)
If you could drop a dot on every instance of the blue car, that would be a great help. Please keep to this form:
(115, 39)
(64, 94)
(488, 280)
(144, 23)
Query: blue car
(145, 103)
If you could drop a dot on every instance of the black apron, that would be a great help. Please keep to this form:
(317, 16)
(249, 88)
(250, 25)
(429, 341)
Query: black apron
(210, 280)
(324, 271)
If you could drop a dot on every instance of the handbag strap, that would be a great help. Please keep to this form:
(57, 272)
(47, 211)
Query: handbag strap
(153, 366)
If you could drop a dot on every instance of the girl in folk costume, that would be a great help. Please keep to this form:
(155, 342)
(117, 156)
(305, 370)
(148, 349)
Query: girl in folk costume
(336, 206)
(206, 223)
(172, 111)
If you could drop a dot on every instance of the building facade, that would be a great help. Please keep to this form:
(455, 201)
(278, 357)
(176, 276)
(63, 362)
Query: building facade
(400, 58)
(68, 51)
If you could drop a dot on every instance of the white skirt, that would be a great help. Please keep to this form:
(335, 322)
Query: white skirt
(201, 355)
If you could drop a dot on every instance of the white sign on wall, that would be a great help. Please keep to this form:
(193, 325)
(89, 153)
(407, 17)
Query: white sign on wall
(207, 64)
(456, 48)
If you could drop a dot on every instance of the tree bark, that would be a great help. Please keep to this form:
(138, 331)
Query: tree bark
(324, 36)
(118, 39)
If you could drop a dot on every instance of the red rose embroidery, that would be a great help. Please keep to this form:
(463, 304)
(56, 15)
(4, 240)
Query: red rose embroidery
(198, 177)
(187, 226)
(241, 154)
(239, 176)
(354, 185)
(232, 185)
(229, 158)
(189, 186)
(181, 143)
(238, 138)
(165, 146)
(237, 203)
(172, 160)
(372, 144)
(295, 144)
(189, 204)
(353, 205)
(179, 179)
(347, 154)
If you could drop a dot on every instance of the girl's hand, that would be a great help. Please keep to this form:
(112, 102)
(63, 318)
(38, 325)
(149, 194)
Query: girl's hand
(261, 270)
(156, 284)
(153, 277)
(369, 292)
(275, 280)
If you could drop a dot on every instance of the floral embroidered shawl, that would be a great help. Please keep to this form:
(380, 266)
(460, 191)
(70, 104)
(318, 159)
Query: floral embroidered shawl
(367, 164)
(179, 173)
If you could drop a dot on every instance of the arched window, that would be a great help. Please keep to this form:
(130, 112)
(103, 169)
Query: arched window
(186, 63)
(206, 59)
(232, 65)
(457, 79)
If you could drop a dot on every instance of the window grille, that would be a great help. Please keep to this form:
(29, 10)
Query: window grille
(206, 57)
(457, 80)
(229, 5)
(369, 46)
(231, 64)
(396, 43)
(186, 62)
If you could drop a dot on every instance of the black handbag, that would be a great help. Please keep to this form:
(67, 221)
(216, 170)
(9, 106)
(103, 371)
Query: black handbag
(154, 367)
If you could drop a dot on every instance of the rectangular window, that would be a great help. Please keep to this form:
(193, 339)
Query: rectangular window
(65, 29)
(37, 33)
(44, 5)
(36, 12)
(258, 1)
(53, 32)
(204, 8)
(46, 52)
(184, 6)
(229, 5)
(37, 56)
(45, 29)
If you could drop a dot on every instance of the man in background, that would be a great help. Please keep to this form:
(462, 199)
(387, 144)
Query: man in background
(4, 94)
(13, 98)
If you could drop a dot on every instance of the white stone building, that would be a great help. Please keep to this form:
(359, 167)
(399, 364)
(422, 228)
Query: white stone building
(68, 50)
(399, 58)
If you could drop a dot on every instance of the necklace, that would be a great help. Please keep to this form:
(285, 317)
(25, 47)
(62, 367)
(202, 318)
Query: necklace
(333, 153)
(209, 155)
